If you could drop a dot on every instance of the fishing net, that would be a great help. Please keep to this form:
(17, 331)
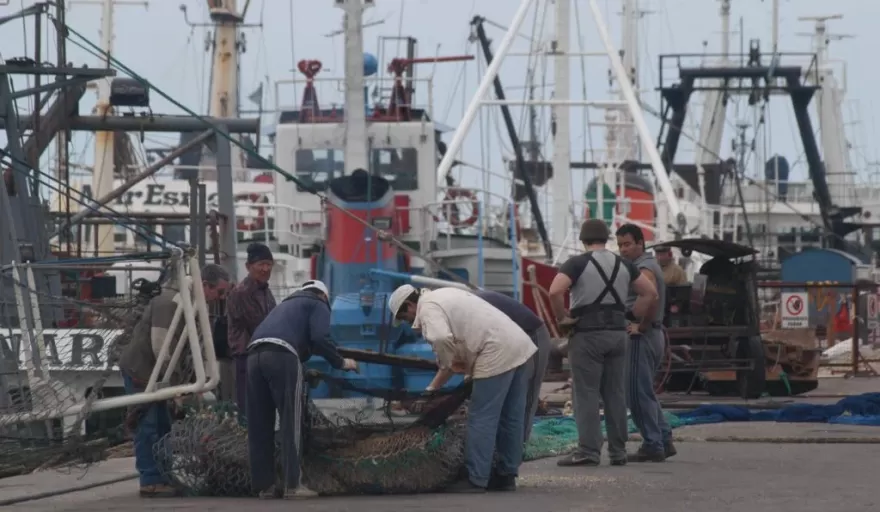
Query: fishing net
(57, 356)
(357, 451)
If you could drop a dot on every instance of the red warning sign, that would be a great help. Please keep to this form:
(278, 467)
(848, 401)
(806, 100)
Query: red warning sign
(794, 305)
(794, 310)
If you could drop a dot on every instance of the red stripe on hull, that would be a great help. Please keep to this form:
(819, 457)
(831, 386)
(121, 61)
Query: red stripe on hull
(346, 240)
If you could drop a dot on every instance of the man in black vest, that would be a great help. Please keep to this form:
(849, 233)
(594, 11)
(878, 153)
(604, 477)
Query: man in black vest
(598, 282)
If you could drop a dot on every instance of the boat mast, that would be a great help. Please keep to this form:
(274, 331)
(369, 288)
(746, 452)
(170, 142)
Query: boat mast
(355, 110)
(102, 174)
(627, 137)
(841, 182)
(226, 48)
(560, 227)
(712, 123)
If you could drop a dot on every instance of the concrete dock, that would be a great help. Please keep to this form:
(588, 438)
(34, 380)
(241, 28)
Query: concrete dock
(754, 467)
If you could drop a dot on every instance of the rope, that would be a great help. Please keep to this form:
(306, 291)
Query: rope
(382, 235)
(71, 490)
(119, 218)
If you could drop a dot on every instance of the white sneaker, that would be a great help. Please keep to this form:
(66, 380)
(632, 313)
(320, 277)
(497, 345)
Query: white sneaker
(300, 493)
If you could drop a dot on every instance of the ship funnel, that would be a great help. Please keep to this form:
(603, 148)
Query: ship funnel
(776, 171)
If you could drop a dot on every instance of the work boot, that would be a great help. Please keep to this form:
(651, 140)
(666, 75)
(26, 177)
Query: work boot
(669, 449)
(576, 459)
(300, 493)
(502, 482)
(644, 455)
(465, 486)
(159, 491)
(269, 494)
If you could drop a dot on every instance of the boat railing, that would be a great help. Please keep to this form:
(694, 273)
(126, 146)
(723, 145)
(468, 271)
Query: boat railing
(376, 85)
(462, 211)
(300, 228)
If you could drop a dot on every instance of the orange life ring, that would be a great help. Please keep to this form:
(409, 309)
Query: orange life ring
(452, 214)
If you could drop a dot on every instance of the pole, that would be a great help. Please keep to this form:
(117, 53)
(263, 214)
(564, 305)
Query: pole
(775, 27)
(356, 156)
(639, 119)
(476, 102)
(430, 282)
(63, 136)
(559, 221)
(103, 174)
(146, 173)
(224, 74)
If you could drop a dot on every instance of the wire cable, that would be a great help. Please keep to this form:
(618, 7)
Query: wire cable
(382, 235)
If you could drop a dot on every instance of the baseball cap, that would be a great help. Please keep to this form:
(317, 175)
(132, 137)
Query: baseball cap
(396, 300)
(316, 285)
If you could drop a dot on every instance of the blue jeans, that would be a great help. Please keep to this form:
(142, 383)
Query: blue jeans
(646, 353)
(496, 417)
(153, 425)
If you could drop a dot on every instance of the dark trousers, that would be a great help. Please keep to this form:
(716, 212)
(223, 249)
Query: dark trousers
(645, 356)
(274, 383)
(598, 369)
(241, 370)
(537, 367)
(154, 424)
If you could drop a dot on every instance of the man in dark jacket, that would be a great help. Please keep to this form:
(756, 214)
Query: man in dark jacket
(248, 304)
(136, 363)
(283, 342)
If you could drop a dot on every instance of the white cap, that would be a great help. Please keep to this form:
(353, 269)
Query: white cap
(396, 300)
(316, 285)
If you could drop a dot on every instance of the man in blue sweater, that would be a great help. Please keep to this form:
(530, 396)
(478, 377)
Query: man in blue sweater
(281, 344)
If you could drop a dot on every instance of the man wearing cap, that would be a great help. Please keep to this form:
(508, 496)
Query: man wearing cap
(247, 306)
(673, 274)
(647, 348)
(540, 336)
(282, 344)
(471, 337)
(597, 282)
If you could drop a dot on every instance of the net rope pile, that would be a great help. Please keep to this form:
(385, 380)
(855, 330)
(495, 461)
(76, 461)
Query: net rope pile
(81, 341)
(206, 452)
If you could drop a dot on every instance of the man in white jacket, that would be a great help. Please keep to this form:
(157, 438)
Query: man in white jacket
(471, 337)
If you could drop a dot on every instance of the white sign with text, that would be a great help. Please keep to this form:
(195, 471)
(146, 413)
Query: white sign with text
(795, 311)
(66, 349)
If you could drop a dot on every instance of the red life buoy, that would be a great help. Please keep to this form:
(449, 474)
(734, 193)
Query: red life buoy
(258, 222)
(453, 217)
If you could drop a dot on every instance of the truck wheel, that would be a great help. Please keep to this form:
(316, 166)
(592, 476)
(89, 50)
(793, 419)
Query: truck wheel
(751, 383)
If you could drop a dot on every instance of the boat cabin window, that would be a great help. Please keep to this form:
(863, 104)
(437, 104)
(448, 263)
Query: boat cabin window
(174, 233)
(317, 167)
(397, 165)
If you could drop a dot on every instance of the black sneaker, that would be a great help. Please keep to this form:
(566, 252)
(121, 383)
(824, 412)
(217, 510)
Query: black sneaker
(502, 483)
(465, 487)
(646, 456)
(669, 449)
(618, 462)
(576, 459)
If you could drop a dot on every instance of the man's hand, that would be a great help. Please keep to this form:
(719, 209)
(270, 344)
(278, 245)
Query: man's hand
(567, 321)
(566, 325)
(636, 329)
(350, 365)
(458, 367)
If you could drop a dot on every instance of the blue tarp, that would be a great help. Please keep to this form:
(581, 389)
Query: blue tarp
(852, 410)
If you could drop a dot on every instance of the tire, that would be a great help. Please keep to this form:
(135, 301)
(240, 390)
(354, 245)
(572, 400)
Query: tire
(752, 383)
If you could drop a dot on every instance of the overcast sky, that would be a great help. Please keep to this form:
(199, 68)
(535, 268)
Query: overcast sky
(159, 45)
